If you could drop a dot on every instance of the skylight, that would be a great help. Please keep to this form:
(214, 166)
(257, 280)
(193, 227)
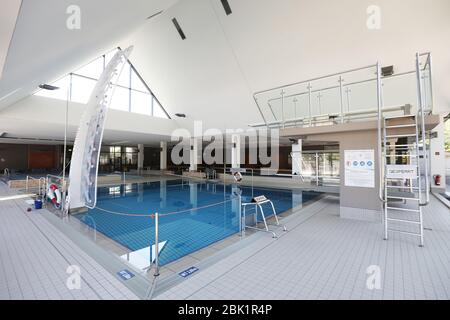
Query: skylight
(131, 94)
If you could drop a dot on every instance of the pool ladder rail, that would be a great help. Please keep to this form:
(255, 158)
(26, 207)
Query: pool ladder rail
(257, 202)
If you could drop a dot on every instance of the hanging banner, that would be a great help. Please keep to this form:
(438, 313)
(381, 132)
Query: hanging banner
(360, 168)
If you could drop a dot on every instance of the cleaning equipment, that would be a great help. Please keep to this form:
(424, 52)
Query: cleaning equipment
(54, 195)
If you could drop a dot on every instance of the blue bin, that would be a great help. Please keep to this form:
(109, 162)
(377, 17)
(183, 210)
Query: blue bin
(38, 204)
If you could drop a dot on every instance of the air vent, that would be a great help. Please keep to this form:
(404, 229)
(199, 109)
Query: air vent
(180, 31)
(226, 7)
(387, 71)
(48, 87)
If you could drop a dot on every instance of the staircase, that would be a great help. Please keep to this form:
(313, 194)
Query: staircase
(402, 204)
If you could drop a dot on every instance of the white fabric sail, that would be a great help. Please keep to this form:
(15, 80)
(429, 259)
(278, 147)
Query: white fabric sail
(86, 152)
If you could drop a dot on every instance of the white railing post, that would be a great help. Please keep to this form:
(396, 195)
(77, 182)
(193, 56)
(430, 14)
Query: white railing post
(156, 244)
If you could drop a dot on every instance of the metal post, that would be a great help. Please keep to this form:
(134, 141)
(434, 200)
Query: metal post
(319, 98)
(66, 118)
(380, 116)
(347, 91)
(310, 103)
(295, 109)
(282, 108)
(156, 244)
(341, 80)
(422, 120)
(430, 66)
(240, 214)
(317, 169)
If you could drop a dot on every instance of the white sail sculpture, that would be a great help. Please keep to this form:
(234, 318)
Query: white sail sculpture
(86, 151)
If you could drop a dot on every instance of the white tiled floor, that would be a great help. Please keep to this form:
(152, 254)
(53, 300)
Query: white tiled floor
(326, 257)
(321, 257)
(34, 257)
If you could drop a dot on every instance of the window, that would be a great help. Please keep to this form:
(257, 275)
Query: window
(131, 93)
(81, 89)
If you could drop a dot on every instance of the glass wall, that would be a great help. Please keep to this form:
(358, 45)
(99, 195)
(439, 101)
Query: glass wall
(131, 93)
(118, 158)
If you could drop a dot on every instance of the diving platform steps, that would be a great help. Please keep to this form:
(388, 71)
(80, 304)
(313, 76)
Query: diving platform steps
(402, 193)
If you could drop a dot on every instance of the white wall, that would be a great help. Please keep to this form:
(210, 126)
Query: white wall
(212, 75)
(41, 117)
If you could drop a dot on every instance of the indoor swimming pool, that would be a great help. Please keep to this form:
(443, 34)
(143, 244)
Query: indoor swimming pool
(193, 215)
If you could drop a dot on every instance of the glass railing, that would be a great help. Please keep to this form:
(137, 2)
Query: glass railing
(342, 97)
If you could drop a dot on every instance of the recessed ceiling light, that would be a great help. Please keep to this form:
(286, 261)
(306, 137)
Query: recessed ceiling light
(177, 26)
(48, 87)
(226, 7)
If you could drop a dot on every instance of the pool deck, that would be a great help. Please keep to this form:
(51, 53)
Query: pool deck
(34, 257)
(321, 257)
(326, 257)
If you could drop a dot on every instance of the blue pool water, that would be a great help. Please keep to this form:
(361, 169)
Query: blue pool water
(184, 230)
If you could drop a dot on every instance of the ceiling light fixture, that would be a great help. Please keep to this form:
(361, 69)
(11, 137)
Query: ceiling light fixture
(227, 7)
(48, 87)
(177, 26)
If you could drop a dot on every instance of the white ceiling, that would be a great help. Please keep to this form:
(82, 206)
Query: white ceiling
(43, 48)
(212, 75)
(8, 17)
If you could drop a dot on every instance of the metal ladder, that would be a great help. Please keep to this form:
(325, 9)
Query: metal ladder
(402, 205)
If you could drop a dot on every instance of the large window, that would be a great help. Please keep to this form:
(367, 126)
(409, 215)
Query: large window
(131, 93)
(118, 158)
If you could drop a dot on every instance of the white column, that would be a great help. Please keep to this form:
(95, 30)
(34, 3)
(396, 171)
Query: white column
(235, 151)
(437, 154)
(163, 156)
(140, 157)
(193, 154)
(297, 158)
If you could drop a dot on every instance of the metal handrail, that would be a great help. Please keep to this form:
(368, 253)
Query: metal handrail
(344, 85)
(380, 145)
(301, 82)
(364, 113)
(314, 79)
(423, 133)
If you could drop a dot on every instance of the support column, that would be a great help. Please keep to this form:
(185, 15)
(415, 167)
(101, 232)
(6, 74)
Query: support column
(140, 165)
(235, 151)
(163, 156)
(193, 154)
(437, 155)
(297, 158)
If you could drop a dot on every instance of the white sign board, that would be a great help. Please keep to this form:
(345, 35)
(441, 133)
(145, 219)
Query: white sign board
(360, 168)
(401, 171)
